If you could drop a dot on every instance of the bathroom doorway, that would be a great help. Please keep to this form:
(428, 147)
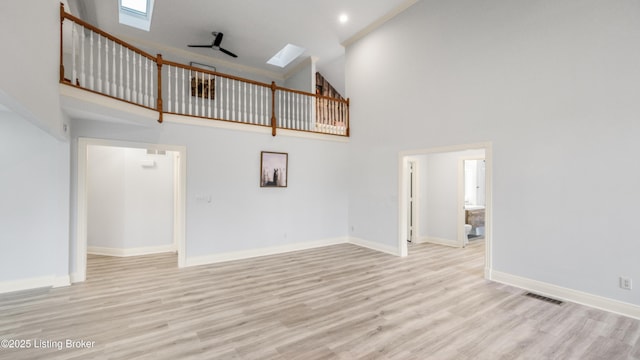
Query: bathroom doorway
(432, 197)
(474, 190)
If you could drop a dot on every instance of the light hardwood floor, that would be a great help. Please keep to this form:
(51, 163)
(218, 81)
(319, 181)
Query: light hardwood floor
(337, 302)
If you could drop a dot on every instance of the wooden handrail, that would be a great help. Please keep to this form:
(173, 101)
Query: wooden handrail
(66, 15)
(215, 73)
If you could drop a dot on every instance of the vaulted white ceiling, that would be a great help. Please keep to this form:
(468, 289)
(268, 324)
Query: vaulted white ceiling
(253, 29)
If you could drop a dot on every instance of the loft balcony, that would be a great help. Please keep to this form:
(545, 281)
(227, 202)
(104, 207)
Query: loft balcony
(97, 62)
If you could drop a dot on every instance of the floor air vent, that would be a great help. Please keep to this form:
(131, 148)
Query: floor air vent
(544, 298)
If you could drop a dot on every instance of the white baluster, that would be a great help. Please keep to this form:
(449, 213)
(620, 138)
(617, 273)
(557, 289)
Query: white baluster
(91, 75)
(128, 77)
(145, 91)
(152, 74)
(244, 103)
(196, 102)
(106, 68)
(121, 82)
(189, 91)
(209, 93)
(168, 88)
(113, 62)
(134, 95)
(175, 95)
(227, 117)
(203, 95)
(252, 118)
(100, 63)
(233, 101)
(82, 61)
(215, 96)
(74, 43)
(183, 92)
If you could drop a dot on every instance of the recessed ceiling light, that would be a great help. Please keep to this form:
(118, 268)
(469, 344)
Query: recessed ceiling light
(343, 18)
(286, 55)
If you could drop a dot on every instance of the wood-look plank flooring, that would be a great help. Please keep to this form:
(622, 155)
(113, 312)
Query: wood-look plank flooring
(337, 302)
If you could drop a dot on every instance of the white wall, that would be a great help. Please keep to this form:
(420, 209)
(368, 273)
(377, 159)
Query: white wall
(34, 210)
(553, 86)
(225, 164)
(333, 71)
(303, 77)
(29, 77)
(129, 206)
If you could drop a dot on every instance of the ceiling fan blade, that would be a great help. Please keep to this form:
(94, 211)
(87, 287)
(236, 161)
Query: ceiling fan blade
(228, 53)
(200, 46)
(218, 39)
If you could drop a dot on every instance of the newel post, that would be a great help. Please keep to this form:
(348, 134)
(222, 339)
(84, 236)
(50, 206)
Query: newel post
(273, 108)
(61, 21)
(348, 121)
(159, 63)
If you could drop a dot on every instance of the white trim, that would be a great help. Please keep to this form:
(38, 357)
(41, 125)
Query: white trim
(379, 22)
(441, 241)
(246, 254)
(245, 127)
(34, 283)
(120, 252)
(81, 224)
(375, 246)
(562, 293)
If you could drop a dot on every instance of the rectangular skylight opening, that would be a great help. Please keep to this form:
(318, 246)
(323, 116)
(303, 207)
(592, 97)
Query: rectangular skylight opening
(285, 56)
(136, 13)
(139, 6)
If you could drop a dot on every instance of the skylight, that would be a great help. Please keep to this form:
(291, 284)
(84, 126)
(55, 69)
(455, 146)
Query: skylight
(136, 13)
(285, 56)
(135, 5)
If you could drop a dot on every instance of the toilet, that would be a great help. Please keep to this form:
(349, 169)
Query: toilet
(467, 229)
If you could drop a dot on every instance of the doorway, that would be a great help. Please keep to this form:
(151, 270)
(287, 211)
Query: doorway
(439, 215)
(176, 240)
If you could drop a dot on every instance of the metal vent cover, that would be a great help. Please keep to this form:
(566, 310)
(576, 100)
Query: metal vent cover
(544, 298)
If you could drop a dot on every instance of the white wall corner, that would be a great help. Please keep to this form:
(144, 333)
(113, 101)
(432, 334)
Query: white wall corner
(247, 254)
(375, 246)
(61, 281)
(566, 294)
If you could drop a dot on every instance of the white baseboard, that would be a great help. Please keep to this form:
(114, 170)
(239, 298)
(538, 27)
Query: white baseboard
(375, 246)
(34, 283)
(440, 241)
(562, 293)
(96, 250)
(246, 254)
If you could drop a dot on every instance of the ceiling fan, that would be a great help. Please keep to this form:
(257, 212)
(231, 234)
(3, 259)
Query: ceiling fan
(216, 44)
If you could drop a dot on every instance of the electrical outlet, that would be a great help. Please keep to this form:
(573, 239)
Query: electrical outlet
(625, 283)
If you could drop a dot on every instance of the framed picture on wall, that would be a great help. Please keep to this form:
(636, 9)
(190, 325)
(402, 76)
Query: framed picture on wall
(202, 84)
(274, 169)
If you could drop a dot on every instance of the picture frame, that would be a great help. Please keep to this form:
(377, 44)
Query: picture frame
(274, 169)
(203, 88)
(203, 85)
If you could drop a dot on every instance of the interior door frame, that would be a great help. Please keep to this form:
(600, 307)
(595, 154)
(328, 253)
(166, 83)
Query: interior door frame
(403, 158)
(180, 174)
(462, 238)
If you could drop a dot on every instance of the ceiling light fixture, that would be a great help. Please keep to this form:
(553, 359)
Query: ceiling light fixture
(343, 18)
